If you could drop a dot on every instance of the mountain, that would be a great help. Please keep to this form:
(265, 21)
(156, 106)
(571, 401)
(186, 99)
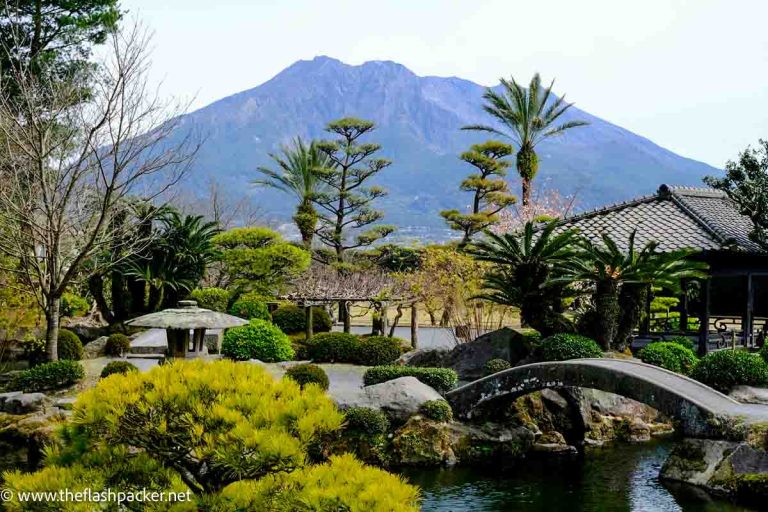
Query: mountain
(419, 120)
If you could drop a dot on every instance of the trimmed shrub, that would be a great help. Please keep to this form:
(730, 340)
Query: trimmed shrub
(53, 375)
(249, 306)
(258, 340)
(368, 421)
(438, 410)
(334, 347)
(669, 355)
(440, 379)
(764, 352)
(69, 346)
(117, 345)
(379, 350)
(725, 369)
(304, 374)
(496, 366)
(561, 347)
(73, 305)
(121, 367)
(215, 299)
(292, 319)
(683, 341)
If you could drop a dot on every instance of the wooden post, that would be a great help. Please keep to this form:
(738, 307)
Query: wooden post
(308, 330)
(704, 318)
(747, 327)
(383, 319)
(414, 325)
(684, 308)
(645, 328)
(344, 310)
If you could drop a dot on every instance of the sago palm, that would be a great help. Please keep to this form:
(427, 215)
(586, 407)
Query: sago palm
(528, 117)
(524, 265)
(297, 174)
(611, 270)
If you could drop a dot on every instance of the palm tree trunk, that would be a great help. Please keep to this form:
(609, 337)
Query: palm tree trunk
(527, 167)
(306, 221)
(526, 191)
(607, 306)
(631, 299)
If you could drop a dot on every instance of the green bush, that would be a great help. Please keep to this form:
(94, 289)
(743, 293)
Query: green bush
(117, 345)
(249, 306)
(54, 375)
(764, 352)
(438, 410)
(308, 374)
(215, 299)
(73, 305)
(258, 340)
(366, 421)
(113, 367)
(669, 355)
(440, 379)
(683, 341)
(561, 347)
(725, 369)
(496, 366)
(334, 347)
(292, 319)
(379, 350)
(69, 346)
(33, 350)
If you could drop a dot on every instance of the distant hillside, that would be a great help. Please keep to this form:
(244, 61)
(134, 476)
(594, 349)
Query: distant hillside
(419, 120)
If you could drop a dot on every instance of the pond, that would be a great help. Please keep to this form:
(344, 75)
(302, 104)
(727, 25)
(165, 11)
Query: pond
(619, 478)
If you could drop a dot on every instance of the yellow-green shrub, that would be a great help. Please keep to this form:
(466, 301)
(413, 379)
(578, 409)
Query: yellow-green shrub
(344, 483)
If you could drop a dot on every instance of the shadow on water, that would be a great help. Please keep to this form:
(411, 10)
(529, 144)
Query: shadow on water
(619, 478)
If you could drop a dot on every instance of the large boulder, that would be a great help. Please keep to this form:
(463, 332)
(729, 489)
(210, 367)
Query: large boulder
(399, 399)
(468, 359)
(24, 403)
(735, 469)
(749, 395)
(95, 348)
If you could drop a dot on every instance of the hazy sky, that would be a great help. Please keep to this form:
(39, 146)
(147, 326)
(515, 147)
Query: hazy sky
(689, 75)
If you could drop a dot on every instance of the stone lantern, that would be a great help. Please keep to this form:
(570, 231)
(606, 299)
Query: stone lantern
(185, 326)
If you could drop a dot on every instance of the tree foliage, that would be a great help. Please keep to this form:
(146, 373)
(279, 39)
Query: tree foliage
(490, 191)
(528, 116)
(257, 259)
(746, 184)
(346, 203)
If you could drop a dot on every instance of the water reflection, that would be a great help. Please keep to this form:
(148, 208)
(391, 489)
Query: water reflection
(622, 478)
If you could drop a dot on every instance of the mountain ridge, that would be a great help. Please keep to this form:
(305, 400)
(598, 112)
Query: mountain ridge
(419, 120)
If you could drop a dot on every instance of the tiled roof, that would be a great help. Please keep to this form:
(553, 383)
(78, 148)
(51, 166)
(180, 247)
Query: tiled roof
(676, 218)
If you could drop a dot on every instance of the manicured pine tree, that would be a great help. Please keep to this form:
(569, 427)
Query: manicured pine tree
(490, 190)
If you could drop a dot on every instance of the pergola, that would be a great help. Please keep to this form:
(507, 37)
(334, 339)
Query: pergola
(734, 300)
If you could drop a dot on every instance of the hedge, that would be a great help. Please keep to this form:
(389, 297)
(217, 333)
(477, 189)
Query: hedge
(378, 350)
(440, 379)
(258, 340)
(69, 346)
(669, 355)
(726, 369)
(215, 299)
(121, 367)
(249, 306)
(304, 374)
(334, 347)
(54, 375)
(495, 366)
(561, 347)
(367, 421)
(438, 410)
(117, 345)
(292, 319)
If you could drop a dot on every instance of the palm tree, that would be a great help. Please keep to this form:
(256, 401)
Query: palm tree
(529, 116)
(524, 268)
(614, 273)
(297, 175)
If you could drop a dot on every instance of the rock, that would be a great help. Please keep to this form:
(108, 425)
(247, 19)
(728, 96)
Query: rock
(551, 437)
(422, 441)
(4, 397)
(468, 359)
(399, 398)
(86, 328)
(24, 403)
(750, 395)
(95, 348)
(65, 403)
(554, 449)
(424, 357)
(737, 470)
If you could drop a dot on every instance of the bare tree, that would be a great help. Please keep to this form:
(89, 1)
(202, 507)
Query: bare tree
(74, 151)
(227, 209)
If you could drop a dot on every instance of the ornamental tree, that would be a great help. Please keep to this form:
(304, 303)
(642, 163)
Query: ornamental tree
(489, 189)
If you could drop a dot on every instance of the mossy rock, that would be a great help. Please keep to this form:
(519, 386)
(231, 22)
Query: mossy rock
(423, 442)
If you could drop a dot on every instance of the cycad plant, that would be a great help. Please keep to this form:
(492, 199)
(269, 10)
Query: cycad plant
(616, 274)
(528, 117)
(297, 174)
(524, 272)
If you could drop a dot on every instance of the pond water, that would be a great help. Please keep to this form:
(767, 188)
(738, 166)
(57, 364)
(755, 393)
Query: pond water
(619, 478)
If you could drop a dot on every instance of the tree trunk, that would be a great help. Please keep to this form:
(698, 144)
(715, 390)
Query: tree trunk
(414, 325)
(631, 299)
(306, 222)
(607, 306)
(526, 191)
(96, 287)
(527, 166)
(309, 330)
(396, 320)
(344, 316)
(52, 329)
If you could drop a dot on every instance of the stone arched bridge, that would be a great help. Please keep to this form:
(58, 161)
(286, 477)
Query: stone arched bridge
(699, 410)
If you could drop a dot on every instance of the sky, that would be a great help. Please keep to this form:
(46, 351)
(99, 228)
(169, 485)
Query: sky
(691, 76)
